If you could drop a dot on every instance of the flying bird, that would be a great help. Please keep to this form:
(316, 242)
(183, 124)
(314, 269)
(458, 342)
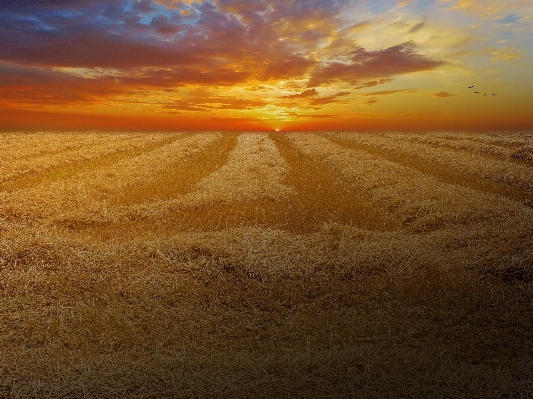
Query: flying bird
(484, 95)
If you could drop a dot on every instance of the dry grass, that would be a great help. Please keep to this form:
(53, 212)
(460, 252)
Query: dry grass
(468, 159)
(53, 159)
(497, 145)
(447, 173)
(254, 265)
(417, 200)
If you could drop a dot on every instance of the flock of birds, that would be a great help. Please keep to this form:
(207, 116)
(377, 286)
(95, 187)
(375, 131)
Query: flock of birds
(477, 92)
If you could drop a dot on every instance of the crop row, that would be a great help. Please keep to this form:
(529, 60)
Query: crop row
(90, 191)
(500, 139)
(98, 147)
(418, 201)
(254, 170)
(463, 142)
(517, 146)
(481, 166)
(23, 145)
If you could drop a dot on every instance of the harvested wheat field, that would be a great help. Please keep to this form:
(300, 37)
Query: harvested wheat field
(249, 265)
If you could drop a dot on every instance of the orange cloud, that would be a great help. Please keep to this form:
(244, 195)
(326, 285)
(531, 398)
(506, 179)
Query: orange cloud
(304, 94)
(330, 99)
(387, 92)
(395, 60)
(443, 94)
(203, 103)
(371, 101)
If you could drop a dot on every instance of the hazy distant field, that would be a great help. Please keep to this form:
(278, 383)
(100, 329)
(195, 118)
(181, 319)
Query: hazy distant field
(213, 264)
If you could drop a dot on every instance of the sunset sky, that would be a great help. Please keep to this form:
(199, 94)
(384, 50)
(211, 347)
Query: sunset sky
(264, 65)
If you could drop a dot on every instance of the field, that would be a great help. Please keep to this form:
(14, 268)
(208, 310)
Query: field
(213, 265)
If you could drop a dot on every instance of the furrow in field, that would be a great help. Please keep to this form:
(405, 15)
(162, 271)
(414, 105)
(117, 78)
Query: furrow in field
(323, 196)
(92, 191)
(508, 140)
(499, 139)
(468, 142)
(418, 201)
(439, 171)
(179, 178)
(518, 176)
(24, 145)
(457, 142)
(56, 144)
(254, 171)
(319, 197)
(27, 171)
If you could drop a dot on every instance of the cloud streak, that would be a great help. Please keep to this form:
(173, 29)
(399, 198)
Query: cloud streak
(387, 92)
(443, 94)
(364, 64)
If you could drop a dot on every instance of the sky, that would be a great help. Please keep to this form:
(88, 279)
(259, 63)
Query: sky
(292, 65)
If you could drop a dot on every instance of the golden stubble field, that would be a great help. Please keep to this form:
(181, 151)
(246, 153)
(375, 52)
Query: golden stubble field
(212, 265)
